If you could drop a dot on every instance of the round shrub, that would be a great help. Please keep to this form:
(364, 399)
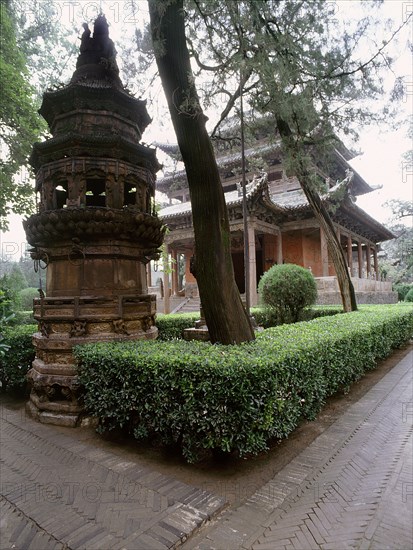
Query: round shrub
(409, 296)
(288, 289)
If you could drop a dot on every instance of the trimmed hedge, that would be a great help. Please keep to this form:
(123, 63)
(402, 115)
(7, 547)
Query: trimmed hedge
(409, 296)
(172, 325)
(402, 289)
(235, 398)
(266, 317)
(18, 358)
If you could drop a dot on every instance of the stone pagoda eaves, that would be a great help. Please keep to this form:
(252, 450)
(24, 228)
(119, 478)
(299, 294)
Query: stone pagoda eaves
(95, 94)
(112, 146)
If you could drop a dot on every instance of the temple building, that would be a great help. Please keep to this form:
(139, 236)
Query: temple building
(281, 225)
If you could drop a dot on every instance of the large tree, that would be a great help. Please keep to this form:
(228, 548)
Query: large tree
(224, 313)
(20, 124)
(34, 50)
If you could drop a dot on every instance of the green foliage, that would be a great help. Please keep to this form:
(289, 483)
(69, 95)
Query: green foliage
(398, 261)
(235, 398)
(26, 266)
(402, 289)
(34, 51)
(5, 307)
(17, 361)
(26, 297)
(171, 326)
(11, 284)
(287, 289)
(19, 122)
(409, 296)
(14, 280)
(267, 317)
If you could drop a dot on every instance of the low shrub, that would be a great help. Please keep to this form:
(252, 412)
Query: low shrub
(402, 289)
(235, 398)
(267, 317)
(21, 318)
(17, 360)
(409, 296)
(287, 289)
(171, 326)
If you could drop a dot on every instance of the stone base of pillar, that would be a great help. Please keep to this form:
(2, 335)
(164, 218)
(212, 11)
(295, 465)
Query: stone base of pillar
(55, 396)
(52, 417)
(200, 334)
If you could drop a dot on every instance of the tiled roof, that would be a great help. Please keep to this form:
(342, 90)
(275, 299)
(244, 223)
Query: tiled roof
(231, 198)
(294, 201)
(222, 161)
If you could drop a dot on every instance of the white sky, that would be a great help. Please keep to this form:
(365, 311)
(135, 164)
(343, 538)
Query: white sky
(383, 146)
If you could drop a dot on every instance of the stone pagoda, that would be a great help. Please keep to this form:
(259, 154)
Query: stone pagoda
(96, 226)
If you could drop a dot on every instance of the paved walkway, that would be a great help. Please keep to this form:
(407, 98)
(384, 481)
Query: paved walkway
(351, 488)
(59, 493)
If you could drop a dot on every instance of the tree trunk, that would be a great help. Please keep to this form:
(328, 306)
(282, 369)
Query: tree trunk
(225, 315)
(348, 295)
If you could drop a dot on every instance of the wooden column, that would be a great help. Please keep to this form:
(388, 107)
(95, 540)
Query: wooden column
(324, 253)
(376, 263)
(166, 300)
(360, 258)
(174, 266)
(350, 254)
(368, 259)
(279, 248)
(338, 233)
(252, 265)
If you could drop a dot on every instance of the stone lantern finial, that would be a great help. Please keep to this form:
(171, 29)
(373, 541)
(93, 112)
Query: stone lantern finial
(97, 52)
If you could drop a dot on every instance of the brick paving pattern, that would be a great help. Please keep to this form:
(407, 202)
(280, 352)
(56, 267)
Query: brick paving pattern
(61, 493)
(351, 488)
